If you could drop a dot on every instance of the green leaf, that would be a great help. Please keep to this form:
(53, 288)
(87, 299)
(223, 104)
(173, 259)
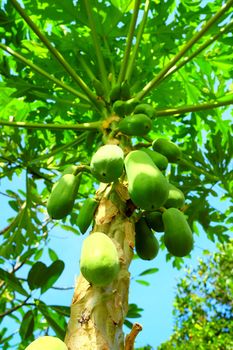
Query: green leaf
(53, 256)
(123, 5)
(53, 273)
(149, 271)
(27, 325)
(12, 282)
(37, 275)
(144, 283)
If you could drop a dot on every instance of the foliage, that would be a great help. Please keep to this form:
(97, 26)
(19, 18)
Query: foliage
(46, 84)
(203, 304)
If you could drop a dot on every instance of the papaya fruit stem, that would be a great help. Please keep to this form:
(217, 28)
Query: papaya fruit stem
(91, 96)
(199, 34)
(124, 63)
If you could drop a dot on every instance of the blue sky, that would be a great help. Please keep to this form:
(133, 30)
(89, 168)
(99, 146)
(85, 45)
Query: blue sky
(156, 299)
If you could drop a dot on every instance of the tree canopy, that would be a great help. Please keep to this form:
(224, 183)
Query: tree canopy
(177, 57)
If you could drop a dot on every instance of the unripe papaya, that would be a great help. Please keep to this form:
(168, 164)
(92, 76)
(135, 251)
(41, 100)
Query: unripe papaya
(86, 214)
(47, 343)
(175, 198)
(154, 221)
(115, 93)
(99, 261)
(168, 148)
(99, 88)
(107, 163)
(147, 186)
(62, 196)
(135, 125)
(125, 90)
(119, 108)
(70, 169)
(178, 237)
(145, 108)
(146, 244)
(160, 161)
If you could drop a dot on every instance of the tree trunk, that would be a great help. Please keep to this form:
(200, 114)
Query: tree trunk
(97, 313)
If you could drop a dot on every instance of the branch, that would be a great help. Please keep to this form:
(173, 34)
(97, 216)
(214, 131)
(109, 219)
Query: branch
(42, 72)
(191, 166)
(222, 31)
(154, 82)
(8, 312)
(130, 338)
(56, 54)
(100, 59)
(138, 40)
(175, 112)
(26, 125)
(124, 64)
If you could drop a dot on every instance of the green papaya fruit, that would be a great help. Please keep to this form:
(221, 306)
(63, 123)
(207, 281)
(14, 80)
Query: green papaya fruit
(147, 186)
(178, 237)
(125, 90)
(145, 108)
(160, 160)
(99, 261)
(70, 169)
(107, 163)
(130, 106)
(62, 197)
(135, 125)
(154, 221)
(86, 214)
(115, 93)
(175, 198)
(168, 148)
(99, 88)
(119, 108)
(146, 244)
(47, 343)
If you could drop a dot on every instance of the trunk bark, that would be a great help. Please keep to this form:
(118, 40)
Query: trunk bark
(98, 314)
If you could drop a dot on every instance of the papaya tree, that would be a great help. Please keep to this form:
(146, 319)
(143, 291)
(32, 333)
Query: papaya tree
(115, 116)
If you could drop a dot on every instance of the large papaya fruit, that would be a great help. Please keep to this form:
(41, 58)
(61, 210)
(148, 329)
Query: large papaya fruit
(99, 262)
(147, 186)
(145, 108)
(135, 125)
(175, 198)
(86, 214)
(62, 197)
(160, 160)
(107, 163)
(146, 244)
(178, 237)
(168, 148)
(154, 221)
(47, 343)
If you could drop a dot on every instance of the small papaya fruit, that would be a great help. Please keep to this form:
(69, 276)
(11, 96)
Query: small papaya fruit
(86, 214)
(146, 244)
(125, 90)
(130, 106)
(119, 108)
(160, 160)
(145, 108)
(154, 221)
(47, 343)
(99, 88)
(175, 198)
(135, 125)
(62, 197)
(168, 148)
(70, 169)
(107, 163)
(115, 93)
(99, 261)
(147, 186)
(178, 237)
